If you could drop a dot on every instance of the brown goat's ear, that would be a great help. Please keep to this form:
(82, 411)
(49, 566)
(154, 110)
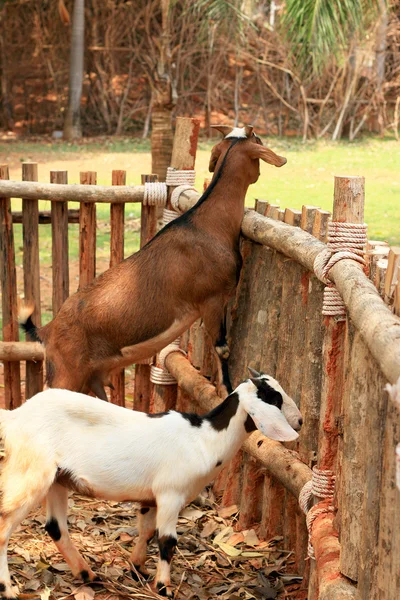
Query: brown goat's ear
(267, 155)
(215, 154)
(224, 129)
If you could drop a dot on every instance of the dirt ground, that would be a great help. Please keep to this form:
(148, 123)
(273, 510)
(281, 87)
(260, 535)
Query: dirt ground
(212, 559)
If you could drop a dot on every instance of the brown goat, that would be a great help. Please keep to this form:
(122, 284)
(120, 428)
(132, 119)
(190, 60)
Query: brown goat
(188, 270)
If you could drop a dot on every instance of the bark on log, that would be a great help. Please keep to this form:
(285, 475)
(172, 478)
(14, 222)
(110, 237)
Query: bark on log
(58, 192)
(18, 351)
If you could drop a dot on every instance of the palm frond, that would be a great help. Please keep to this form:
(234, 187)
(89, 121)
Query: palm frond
(316, 30)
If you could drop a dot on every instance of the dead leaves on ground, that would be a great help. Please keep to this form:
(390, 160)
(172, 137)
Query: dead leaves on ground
(213, 560)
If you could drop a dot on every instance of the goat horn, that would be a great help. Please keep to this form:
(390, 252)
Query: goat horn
(253, 372)
(248, 130)
(224, 129)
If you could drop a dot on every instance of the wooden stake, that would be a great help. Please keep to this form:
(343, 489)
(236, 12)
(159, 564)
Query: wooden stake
(183, 158)
(320, 226)
(292, 217)
(148, 229)
(307, 217)
(12, 378)
(117, 218)
(87, 234)
(391, 273)
(59, 231)
(30, 233)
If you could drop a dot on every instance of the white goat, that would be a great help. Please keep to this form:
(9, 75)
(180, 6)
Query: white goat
(61, 440)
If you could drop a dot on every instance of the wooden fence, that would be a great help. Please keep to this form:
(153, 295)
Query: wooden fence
(335, 368)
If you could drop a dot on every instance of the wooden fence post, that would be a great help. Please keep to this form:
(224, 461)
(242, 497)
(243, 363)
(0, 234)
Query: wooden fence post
(148, 229)
(117, 219)
(12, 377)
(87, 234)
(59, 230)
(184, 159)
(348, 206)
(30, 232)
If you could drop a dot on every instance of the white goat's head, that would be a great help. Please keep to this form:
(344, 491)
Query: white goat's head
(274, 413)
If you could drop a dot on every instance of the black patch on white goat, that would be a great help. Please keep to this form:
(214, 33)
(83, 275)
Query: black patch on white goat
(194, 420)
(219, 418)
(167, 544)
(53, 529)
(268, 394)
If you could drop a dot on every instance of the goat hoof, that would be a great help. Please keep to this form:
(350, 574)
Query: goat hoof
(88, 576)
(138, 572)
(8, 592)
(164, 590)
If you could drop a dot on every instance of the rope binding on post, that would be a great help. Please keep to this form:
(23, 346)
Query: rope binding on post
(155, 193)
(176, 177)
(322, 485)
(345, 241)
(159, 373)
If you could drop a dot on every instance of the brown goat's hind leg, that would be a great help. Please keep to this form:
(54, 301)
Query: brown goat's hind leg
(96, 386)
(215, 324)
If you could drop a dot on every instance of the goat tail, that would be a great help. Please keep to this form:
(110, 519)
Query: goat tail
(25, 310)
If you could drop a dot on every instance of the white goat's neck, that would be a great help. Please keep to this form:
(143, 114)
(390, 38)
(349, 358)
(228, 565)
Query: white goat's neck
(228, 422)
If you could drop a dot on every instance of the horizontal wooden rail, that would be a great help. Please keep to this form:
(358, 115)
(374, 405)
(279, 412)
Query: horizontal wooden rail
(17, 351)
(58, 192)
(45, 217)
(378, 326)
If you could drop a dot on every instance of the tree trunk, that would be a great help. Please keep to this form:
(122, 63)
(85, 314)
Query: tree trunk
(161, 140)
(6, 104)
(163, 102)
(72, 124)
(380, 56)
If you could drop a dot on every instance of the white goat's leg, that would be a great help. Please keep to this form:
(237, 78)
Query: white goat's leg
(57, 528)
(21, 492)
(168, 507)
(146, 526)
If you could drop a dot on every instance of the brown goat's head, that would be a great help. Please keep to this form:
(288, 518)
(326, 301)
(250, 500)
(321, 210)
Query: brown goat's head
(251, 145)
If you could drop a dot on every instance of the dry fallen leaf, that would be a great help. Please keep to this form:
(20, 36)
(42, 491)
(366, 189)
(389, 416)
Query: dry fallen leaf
(228, 511)
(84, 593)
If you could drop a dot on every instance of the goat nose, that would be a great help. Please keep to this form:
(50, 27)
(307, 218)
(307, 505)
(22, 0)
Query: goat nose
(300, 422)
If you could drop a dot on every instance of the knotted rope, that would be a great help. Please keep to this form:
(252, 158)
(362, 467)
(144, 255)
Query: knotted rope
(322, 485)
(159, 374)
(345, 241)
(155, 193)
(177, 177)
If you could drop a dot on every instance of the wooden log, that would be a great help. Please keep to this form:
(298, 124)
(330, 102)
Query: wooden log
(59, 232)
(117, 219)
(61, 192)
(87, 234)
(348, 207)
(363, 303)
(12, 377)
(396, 299)
(373, 399)
(183, 158)
(148, 229)
(332, 585)
(18, 351)
(44, 217)
(282, 463)
(30, 235)
(388, 564)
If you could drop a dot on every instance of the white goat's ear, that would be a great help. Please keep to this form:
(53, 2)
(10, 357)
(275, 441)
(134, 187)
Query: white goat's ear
(271, 422)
